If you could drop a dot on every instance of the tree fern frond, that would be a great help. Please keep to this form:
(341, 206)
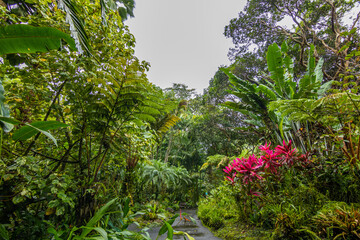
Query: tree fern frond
(144, 117)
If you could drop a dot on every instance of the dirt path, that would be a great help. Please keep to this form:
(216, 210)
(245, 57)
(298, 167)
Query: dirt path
(197, 231)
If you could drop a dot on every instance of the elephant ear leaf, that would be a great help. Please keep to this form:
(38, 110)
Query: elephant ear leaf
(21, 38)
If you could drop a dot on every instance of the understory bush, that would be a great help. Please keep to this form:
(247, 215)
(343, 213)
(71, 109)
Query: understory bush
(338, 220)
(216, 208)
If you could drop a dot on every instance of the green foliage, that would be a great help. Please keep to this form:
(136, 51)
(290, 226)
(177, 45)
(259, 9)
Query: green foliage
(30, 130)
(94, 220)
(337, 220)
(166, 227)
(318, 22)
(255, 96)
(28, 39)
(331, 109)
(125, 8)
(4, 111)
(100, 112)
(217, 207)
(160, 178)
(4, 233)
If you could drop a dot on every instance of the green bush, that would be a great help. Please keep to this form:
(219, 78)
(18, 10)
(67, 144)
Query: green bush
(338, 182)
(304, 200)
(219, 206)
(337, 219)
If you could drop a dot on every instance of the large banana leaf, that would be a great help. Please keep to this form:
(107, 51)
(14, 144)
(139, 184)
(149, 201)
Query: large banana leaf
(275, 65)
(21, 38)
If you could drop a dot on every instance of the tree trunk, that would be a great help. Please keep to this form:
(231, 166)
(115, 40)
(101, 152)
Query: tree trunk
(169, 147)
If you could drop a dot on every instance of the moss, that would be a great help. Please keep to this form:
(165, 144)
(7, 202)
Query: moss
(234, 231)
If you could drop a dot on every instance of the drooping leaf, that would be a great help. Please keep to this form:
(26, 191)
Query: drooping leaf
(164, 227)
(96, 218)
(100, 230)
(268, 92)
(324, 88)
(10, 120)
(170, 230)
(32, 129)
(21, 38)
(76, 26)
(184, 233)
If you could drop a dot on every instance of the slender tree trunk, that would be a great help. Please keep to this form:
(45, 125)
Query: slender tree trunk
(169, 147)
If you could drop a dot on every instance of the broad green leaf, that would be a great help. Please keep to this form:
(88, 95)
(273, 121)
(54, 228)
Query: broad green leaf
(267, 91)
(5, 124)
(164, 227)
(311, 60)
(126, 207)
(275, 65)
(284, 47)
(319, 75)
(20, 38)
(303, 86)
(170, 231)
(4, 111)
(96, 218)
(324, 88)
(10, 120)
(292, 87)
(30, 130)
(281, 129)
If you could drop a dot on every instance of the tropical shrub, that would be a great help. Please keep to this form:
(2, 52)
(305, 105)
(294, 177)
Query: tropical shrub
(160, 179)
(216, 209)
(338, 220)
(250, 175)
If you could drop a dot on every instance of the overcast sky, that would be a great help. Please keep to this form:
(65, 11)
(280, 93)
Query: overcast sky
(183, 40)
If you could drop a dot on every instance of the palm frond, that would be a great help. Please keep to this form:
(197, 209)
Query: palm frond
(77, 30)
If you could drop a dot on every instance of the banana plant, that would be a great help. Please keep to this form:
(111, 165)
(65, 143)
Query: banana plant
(283, 84)
(253, 105)
(280, 85)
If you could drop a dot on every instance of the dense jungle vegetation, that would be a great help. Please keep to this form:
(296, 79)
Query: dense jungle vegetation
(88, 145)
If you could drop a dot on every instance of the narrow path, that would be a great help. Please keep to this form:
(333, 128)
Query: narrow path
(195, 230)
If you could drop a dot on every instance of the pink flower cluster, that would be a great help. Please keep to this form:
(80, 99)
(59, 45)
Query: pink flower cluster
(250, 169)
